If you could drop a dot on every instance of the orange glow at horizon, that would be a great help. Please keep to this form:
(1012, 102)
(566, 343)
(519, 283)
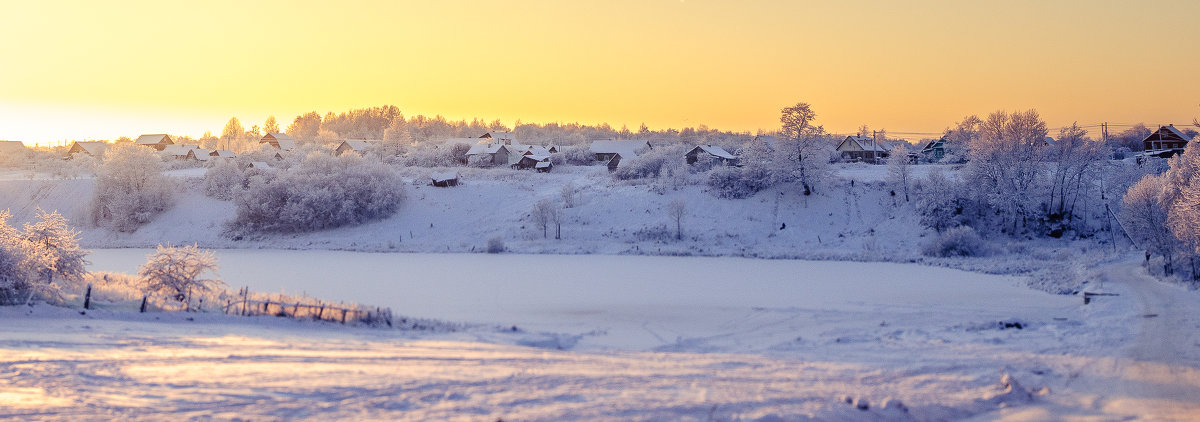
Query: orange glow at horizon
(100, 70)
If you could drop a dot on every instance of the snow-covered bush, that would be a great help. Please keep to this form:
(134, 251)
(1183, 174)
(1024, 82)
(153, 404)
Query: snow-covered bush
(222, 179)
(495, 245)
(937, 200)
(130, 188)
(176, 273)
(35, 261)
(957, 241)
(650, 163)
(579, 155)
(734, 183)
(321, 192)
(432, 155)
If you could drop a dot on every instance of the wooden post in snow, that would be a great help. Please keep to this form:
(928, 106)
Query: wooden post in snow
(87, 297)
(143, 310)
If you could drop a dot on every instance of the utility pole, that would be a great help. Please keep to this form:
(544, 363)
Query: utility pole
(1104, 132)
(874, 147)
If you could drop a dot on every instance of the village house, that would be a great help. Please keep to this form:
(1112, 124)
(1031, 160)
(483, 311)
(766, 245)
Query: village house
(1166, 138)
(710, 153)
(261, 165)
(445, 179)
(504, 138)
(606, 150)
(613, 162)
(863, 148)
(489, 155)
(280, 141)
(935, 150)
(94, 149)
(222, 153)
(179, 152)
(157, 141)
(197, 154)
(361, 146)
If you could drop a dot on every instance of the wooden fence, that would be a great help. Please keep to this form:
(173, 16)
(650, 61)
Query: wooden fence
(245, 306)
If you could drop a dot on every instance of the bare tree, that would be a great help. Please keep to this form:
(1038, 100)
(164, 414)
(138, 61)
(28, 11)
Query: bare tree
(568, 195)
(899, 171)
(177, 272)
(543, 215)
(677, 210)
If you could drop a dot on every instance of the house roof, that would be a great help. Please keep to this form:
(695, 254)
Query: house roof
(624, 147)
(442, 176)
(716, 151)
(865, 143)
(1167, 133)
(93, 148)
(934, 144)
(497, 136)
(12, 147)
(277, 137)
(360, 145)
(153, 139)
(543, 164)
(223, 153)
(260, 165)
(478, 149)
(198, 154)
(179, 150)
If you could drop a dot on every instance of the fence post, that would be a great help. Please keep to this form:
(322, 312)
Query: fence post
(87, 297)
(343, 315)
(245, 292)
(143, 310)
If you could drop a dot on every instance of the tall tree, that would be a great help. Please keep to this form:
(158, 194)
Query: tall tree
(1006, 161)
(804, 144)
(233, 132)
(271, 126)
(305, 126)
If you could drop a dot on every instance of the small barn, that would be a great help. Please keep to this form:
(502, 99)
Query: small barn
(94, 149)
(606, 150)
(280, 141)
(710, 153)
(1166, 138)
(361, 146)
(222, 153)
(532, 162)
(863, 148)
(197, 154)
(445, 179)
(158, 141)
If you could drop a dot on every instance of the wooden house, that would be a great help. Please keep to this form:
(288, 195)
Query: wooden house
(863, 148)
(935, 150)
(222, 153)
(490, 155)
(361, 146)
(12, 148)
(94, 149)
(445, 179)
(179, 152)
(280, 141)
(710, 153)
(1166, 138)
(197, 154)
(157, 141)
(261, 165)
(606, 150)
(503, 138)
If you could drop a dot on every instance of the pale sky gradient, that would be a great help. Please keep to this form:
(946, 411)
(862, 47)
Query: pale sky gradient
(80, 70)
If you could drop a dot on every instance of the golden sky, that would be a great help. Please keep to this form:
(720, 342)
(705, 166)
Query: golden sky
(103, 69)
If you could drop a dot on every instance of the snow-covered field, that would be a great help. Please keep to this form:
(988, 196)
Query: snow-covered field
(587, 327)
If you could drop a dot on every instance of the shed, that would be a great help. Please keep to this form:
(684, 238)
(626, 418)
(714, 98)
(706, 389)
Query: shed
(712, 153)
(222, 153)
(198, 154)
(444, 179)
(532, 161)
(158, 141)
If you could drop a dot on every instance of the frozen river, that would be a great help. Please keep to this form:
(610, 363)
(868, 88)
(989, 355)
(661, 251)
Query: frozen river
(636, 302)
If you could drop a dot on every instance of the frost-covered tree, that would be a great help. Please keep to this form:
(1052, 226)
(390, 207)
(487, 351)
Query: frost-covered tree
(1073, 162)
(305, 126)
(677, 211)
(270, 126)
(1006, 161)
(543, 214)
(1144, 215)
(232, 134)
(899, 170)
(178, 272)
(57, 246)
(16, 276)
(568, 195)
(1182, 198)
(804, 145)
(222, 179)
(130, 188)
(937, 200)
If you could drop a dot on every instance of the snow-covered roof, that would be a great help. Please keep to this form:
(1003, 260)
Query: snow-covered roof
(865, 143)
(499, 136)
(716, 151)
(152, 139)
(536, 150)
(260, 165)
(223, 153)
(479, 149)
(442, 176)
(360, 145)
(624, 147)
(92, 148)
(178, 150)
(1168, 132)
(11, 147)
(277, 136)
(543, 164)
(198, 154)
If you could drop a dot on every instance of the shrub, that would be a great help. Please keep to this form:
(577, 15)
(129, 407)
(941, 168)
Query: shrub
(495, 245)
(957, 241)
(579, 155)
(130, 188)
(175, 272)
(321, 192)
(222, 178)
(734, 183)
